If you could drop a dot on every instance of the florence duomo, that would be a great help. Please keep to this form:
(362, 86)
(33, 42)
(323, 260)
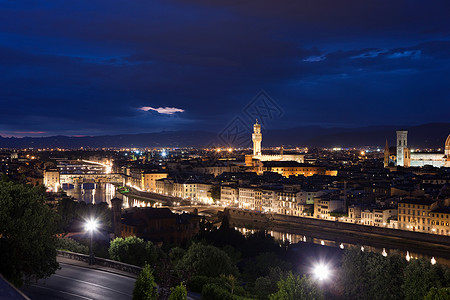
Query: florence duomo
(403, 156)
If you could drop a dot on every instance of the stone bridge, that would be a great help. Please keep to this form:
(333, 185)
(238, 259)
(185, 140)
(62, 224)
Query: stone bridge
(91, 178)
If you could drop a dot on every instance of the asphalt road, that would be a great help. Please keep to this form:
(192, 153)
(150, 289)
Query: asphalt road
(75, 283)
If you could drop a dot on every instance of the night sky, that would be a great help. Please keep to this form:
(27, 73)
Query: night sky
(91, 67)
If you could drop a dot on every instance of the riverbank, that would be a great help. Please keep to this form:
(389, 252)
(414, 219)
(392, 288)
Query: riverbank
(346, 233)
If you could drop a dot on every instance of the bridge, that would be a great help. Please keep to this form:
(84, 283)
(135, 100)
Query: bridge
(92, 178)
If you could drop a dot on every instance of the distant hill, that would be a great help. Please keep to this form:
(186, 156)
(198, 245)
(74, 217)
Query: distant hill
(431, 135)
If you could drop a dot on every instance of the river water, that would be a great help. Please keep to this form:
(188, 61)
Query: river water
(98, 193)
(91, 192)
(308, 237)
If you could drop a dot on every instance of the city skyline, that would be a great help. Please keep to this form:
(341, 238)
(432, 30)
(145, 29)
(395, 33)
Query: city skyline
(108, 68)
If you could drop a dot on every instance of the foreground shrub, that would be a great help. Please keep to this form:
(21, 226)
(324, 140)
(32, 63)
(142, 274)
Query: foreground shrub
(207, 261)
(69, 244)
(133, 250)
(145, 286)
(296, 287)
(178, 293)
(212, 291)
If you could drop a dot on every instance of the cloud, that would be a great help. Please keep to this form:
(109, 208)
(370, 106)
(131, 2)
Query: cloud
(370, 54)
(407, 53)
(315, 58)
(163, 110)
(30, 132)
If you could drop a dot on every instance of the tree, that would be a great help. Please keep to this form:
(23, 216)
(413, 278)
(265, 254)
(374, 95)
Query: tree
(354, 275)
(386, 276)
(207, 260)
(68, 244)
(294, 287)
(421, 276)
(27, 233)
(266, 285)
(438, 294)
(145, 286)
(178, 293)
(132, 250)
(215, 193)
(261, 265)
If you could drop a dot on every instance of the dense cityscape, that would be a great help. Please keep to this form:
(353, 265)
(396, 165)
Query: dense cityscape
(337, 199)
(225, 150)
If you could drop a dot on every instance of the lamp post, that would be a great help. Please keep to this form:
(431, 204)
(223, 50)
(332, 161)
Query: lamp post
(321, 271)
(91, 226)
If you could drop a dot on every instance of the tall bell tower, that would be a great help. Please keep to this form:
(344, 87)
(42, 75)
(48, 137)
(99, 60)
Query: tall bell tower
(257, 138)
(402, 145)
(386, 155)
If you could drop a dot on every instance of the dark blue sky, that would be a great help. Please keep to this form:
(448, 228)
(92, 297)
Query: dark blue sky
(89, 67)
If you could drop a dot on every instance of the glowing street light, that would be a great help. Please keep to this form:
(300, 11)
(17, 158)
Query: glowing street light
(91, 226)
(321, 271)
(433, 261)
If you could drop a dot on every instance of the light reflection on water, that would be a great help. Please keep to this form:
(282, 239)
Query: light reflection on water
(98, 193)
(91, 192)
(132, 202)
(291, 238)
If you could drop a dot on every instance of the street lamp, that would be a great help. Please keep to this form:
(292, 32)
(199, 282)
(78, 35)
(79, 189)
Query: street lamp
(321, 271)
(91, 226)
(433, 261)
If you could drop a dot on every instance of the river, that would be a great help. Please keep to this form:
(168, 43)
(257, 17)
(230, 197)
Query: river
(98, 193)
(309, 237)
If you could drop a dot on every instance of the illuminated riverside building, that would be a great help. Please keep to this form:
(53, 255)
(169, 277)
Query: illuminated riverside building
(204, 193)
(424, 215)
(51, 179)
(229, 195)
(440, 220)
(247, 197)
(148, 180)
(280, 201)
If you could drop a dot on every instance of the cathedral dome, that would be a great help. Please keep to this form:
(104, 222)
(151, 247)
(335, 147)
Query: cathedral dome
(447, 147)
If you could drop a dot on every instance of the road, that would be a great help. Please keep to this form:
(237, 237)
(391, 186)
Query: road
(75, 283)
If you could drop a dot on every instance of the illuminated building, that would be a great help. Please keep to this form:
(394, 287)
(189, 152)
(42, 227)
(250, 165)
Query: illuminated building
(257, 139)
(402, 148)
(51, 179)
(149, 180)
(229, 195)
(293, 168)
(251, 160)
(405, 157)
(424, 215)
